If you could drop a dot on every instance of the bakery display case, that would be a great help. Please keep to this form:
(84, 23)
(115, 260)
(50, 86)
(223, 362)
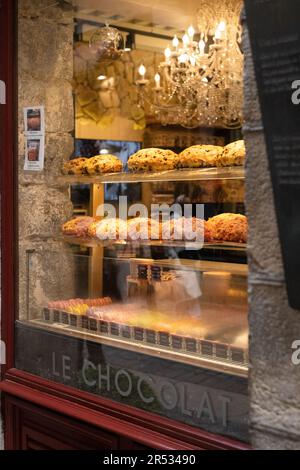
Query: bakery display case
(165, 291)
(132, 229)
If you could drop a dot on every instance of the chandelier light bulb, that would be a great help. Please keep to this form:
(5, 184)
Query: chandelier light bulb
(183, 58)
(175, 41)
(222, 26)
(168, 53)
(185, 40)
(142, 70)
(218, 33)
(193, 61)
(157, 80)
(191, 32)
(201, 46)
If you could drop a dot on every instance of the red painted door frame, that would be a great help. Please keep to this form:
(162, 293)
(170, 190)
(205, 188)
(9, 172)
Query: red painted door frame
(144, 427)
(8, 138)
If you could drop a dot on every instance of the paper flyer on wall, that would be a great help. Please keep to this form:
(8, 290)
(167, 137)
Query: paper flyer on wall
(34, 153)
(34, 120)
(34, 127)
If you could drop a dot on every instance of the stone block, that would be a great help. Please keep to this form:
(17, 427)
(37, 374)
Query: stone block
(274, 379)
(58, 149)
(57, 97)
(42, 211)
(47, 9)
(80, 69)
(30, 93)
(45, 270)
(123, 88)
(273, 328)
(59, 113)
(126, 107)
(264, 247)
(252, 112)
(85, 52)
(262, 440)
(45, 50)
(137, 57)
(129, 72)
(119, 67)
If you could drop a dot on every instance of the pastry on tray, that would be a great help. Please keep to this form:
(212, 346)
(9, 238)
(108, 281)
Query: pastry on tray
(101, 164)
(233, 154)
(199, 156)
(78, 227)
(188, 229)
(229, 227)
(108, 229)
(143, 228)
(153, 159)
(74, 167)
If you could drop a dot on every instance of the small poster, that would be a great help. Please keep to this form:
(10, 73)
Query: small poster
(34, 153)
(34, 120)
(34, 125)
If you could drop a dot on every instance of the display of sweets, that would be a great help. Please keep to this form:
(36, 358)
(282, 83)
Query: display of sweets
(78, 306)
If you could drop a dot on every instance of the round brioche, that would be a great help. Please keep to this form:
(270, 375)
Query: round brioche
(103, 164)
(153, 159)
(143, 228)
(74, 167)
(183, 228)
(229, 227)
(109, 229)
(78, 227)
(199, 156)
(91, 231)
(233, 154)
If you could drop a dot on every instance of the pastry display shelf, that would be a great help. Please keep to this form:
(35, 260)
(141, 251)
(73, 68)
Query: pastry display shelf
(185, 174)
(91, 243)
(210, 355)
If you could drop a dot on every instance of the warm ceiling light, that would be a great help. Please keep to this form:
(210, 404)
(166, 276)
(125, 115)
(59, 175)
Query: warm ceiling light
(201, 46)
(104, 152)
(175, 41)
(185, 40)
(157, 80)
(101, 77)
(222, 26)
(127, 49)
(142, 70)
(183, 58)
(168, 53)
(191, 32)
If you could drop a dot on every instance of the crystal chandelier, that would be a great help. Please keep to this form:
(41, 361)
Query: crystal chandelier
(200, 81)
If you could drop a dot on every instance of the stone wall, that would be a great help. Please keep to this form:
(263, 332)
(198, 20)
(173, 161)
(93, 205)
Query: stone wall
(274, 381)
(45, 72)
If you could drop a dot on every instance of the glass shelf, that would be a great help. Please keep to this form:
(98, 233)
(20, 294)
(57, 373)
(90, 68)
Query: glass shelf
(183, 264)
(90, 243)
(186, 174)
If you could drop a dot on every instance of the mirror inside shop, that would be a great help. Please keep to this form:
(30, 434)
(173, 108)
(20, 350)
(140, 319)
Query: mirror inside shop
(144, 266)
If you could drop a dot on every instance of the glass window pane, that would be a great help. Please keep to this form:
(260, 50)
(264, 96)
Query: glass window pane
(132, 227)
